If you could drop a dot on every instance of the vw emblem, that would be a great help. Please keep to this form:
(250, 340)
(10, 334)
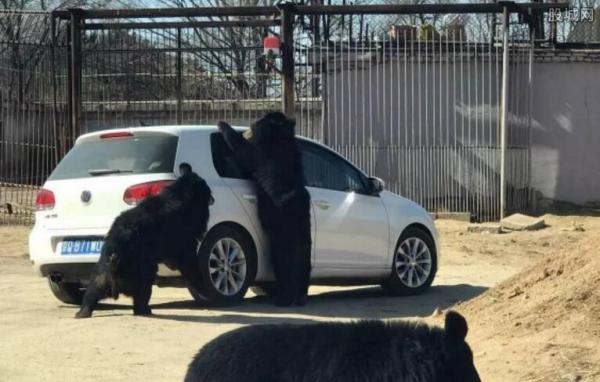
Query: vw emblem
(86, 196)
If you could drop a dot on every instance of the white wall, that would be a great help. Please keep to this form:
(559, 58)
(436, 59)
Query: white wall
(566, 131)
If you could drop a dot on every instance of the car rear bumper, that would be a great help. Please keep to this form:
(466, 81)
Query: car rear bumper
(72, 273)
(43, 249)
(46, 259)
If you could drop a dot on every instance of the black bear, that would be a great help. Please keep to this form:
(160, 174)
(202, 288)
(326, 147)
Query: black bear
(269, 151)
(366, 351)
(162, 228)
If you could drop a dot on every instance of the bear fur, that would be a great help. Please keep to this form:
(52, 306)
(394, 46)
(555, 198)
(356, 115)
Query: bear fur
(163, 228)
(271, 154)
(366, 351)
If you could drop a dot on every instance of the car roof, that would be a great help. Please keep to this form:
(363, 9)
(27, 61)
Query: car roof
(177, 129)
(170, 129)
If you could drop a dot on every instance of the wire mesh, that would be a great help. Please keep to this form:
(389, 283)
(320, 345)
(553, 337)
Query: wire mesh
(578, 26)
(164, 76)
(415, 100)
(32, 107)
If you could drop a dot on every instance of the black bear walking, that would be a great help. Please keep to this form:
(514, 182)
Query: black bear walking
(162, 228)
(270, 153)
(367, 351)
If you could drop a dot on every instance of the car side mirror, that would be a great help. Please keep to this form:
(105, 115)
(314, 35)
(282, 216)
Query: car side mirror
(376, 185)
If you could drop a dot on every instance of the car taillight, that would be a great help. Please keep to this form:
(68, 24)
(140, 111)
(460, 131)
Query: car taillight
(44, 200)
(139, 192)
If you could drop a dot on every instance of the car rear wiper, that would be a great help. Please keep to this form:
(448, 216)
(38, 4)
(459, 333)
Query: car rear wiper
(107, 171)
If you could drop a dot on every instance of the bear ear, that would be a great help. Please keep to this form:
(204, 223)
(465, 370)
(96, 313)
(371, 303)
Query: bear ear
(292, 122)
(455, 327)
(290, 125)
(184, 168)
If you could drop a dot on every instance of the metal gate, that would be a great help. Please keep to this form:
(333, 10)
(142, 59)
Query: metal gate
(422, 96)
(416, 99)
(177, 72)
(32, 109)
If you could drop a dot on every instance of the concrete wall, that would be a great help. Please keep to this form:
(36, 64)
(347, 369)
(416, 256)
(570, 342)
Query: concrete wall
(430, 129)
(566, 130)
(565, 121)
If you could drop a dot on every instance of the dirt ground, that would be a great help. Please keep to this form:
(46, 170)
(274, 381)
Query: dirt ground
(512, 338)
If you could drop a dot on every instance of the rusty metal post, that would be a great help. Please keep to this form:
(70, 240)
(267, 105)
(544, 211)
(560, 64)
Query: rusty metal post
(76, 25)
(56, 136)
(64, 136)
(287, 58)
(504, 109)
(179, 110)
(531, 195)
(553, 32)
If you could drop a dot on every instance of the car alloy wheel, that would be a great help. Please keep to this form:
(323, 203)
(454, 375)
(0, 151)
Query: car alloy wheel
(227, 266)
(413, 262)
(227, 260)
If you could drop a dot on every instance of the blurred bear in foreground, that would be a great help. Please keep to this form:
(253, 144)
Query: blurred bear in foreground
(365, 351)
(163, 228)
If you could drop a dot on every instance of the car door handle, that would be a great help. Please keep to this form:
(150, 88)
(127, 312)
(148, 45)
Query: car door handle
(322, 204)
(249, 197)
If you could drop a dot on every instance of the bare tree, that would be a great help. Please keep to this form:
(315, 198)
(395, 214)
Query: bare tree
(233, 52)
(25, 39)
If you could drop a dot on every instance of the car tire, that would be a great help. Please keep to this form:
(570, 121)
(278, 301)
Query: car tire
(227, 260)
(69, 293)
(414, 265)
(198, 295)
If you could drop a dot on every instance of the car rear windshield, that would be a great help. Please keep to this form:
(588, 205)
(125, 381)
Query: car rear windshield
(113, 156)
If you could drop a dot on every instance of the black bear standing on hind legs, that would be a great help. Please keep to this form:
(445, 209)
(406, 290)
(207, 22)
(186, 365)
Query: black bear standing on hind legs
(162, 228)
(272, 156)
(365, 351)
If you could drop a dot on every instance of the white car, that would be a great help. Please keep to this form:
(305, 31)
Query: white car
(361, 233)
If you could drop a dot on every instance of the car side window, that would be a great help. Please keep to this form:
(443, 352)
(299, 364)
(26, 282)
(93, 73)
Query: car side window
(324, 169)
(224, 161)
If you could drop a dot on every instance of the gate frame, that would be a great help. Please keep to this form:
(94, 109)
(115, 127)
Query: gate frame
(283, 14)
(286, 12)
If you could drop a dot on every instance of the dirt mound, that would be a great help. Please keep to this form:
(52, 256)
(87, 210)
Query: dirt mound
(543, 323)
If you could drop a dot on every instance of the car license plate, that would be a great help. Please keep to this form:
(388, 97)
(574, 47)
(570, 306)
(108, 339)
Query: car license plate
(81, 247)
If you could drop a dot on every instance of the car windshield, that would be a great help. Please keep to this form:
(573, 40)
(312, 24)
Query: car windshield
(135, 155)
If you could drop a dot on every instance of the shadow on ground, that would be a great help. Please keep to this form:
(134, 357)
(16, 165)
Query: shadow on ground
(350, 303)
(367, 302)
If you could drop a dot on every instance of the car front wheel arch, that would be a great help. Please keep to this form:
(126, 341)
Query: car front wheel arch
(414, 262)
(234, 237)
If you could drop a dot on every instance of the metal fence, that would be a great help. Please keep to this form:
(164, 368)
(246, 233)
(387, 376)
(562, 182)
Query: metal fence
(188, 72)
(32, 109)
(416, 100)
(412, 94)
(577, 26)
